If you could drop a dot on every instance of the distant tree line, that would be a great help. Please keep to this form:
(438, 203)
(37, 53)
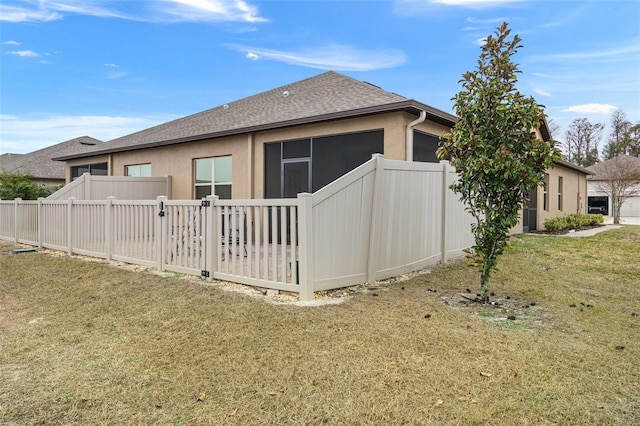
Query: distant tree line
(582, 140)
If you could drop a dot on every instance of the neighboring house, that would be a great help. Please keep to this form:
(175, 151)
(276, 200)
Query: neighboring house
(599, 186)
(292, 139)
(40, 164)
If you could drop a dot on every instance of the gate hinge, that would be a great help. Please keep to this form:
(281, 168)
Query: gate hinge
(204, 274)
(205, 203)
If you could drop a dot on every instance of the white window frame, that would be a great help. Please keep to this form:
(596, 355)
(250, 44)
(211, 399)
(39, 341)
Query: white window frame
(213, 183)
(141, 169)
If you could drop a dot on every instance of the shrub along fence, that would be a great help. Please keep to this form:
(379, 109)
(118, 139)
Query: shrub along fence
(382, 219)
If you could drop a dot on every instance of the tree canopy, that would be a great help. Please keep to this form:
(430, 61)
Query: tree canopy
(495, 149)
(581, 142)
(20, 185)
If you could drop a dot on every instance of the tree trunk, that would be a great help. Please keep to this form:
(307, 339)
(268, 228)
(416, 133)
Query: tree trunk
(484, 286)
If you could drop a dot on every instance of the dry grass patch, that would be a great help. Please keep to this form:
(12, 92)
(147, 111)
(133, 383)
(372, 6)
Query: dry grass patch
(86, 343)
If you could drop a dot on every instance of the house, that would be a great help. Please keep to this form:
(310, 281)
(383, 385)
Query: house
(619, 175)
(297, 138)
(564, 192)
(40, 164)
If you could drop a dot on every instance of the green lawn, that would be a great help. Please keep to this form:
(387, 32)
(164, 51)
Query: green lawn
(88, 343)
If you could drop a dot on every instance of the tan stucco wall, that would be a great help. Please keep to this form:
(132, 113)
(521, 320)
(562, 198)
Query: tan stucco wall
(574, 200)
(247, 151)
(574, 191)
(177, 161)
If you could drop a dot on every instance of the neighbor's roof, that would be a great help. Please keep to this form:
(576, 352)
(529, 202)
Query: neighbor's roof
(598, 167)
(327, 96)
(40, 163)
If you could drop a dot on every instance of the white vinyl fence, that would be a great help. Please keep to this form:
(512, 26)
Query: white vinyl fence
(90, 187)
(382, 219)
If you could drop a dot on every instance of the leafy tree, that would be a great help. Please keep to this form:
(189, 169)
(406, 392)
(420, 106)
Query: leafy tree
(20, 185)
(619, 141)
(633, 140)
(581, 142)
(494, 148)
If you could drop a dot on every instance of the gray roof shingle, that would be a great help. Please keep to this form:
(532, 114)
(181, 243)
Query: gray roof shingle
(623, 162)
(40, 163)
(323, 97)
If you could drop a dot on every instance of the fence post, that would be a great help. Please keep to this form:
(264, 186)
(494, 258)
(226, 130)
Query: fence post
(16, 219)
(161, 232)
(445, 189)
(108, 228)
(211, 232)
(87, 186)
(40, 219)
(168, 186)
(376, 201)
(305, 228)
(70, 225)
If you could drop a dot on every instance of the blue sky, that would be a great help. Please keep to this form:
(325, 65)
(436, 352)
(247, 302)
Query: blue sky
(105, 69)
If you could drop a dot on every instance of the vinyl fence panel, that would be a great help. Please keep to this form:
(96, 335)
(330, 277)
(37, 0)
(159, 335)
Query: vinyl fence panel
(380, 220)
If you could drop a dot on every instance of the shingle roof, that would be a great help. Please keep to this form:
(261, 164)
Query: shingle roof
(627, 162)
(40, 163)
(326, 96)
(8, 161)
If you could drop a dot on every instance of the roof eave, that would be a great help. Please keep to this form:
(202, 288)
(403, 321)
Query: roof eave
(569, 165)
(411, 106)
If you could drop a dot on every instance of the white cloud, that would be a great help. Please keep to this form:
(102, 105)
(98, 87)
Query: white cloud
(622, 53)
(27, 14)
(604, 109)
(253, 56)
(474, 3)
(212, 10)
(151, 11)
(481, 41)
(116, 74)
(114, 71)
(333, 57)
(26, 134)
(402, 5)
(542, 92)
(11, 43)
(24, 53)
(490, 21)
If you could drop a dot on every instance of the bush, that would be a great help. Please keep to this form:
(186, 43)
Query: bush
(20, 185)
(572, 221)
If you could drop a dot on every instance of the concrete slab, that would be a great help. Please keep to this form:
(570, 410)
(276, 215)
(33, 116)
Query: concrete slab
(590, 232)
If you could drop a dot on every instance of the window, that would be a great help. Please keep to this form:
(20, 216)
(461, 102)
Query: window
(306, 165)
(545, 193)
(560, 193)
(138, 170)
(424, 147)
(213, 176)
(97, 169)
